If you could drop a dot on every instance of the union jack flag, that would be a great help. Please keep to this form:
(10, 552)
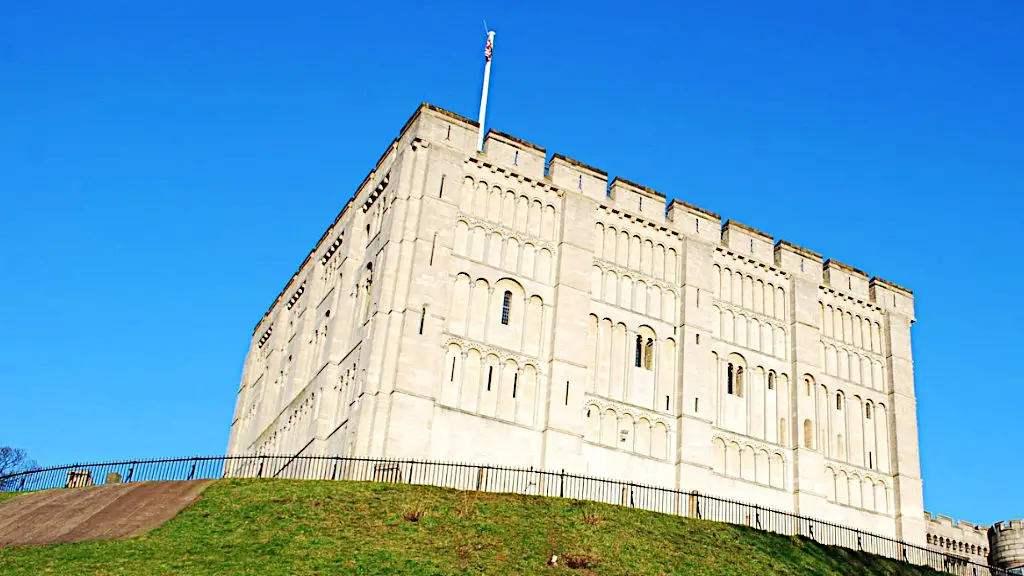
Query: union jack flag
(489, 49)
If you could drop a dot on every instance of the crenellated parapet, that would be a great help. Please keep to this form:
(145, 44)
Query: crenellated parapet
(531, 161)
(956, 537)
(1006, 540)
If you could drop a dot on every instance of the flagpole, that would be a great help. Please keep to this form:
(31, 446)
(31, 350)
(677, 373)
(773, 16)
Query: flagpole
(488, 50)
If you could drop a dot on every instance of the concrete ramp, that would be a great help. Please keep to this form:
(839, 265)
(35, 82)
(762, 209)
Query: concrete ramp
(95, 513)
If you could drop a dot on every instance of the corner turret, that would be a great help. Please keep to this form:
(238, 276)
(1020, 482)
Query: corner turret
(1006, 545)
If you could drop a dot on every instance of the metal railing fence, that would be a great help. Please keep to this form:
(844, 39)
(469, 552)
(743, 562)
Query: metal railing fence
(486, 478)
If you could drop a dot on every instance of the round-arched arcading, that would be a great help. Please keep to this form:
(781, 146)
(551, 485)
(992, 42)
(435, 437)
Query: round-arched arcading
(736, 366)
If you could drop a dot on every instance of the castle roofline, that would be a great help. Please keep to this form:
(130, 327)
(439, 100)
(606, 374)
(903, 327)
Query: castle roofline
(751, 229)
(805, 252)
(641, 187)
(705, 211)
(512, 138)
(831, 263)
(892, 285)
(578, 164)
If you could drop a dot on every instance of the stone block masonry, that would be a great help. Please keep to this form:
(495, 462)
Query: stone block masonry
(506, 308)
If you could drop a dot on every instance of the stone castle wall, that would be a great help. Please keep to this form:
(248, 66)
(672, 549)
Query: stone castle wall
(509, 309)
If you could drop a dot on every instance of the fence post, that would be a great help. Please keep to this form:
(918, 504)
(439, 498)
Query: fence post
(693, 508)
(561, 484)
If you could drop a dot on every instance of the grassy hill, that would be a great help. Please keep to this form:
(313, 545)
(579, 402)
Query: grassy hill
(301, 528)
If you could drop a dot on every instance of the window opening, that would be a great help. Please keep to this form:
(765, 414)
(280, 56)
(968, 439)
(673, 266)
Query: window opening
(839, 402)
(871, 460)
(649, 354)
(728, 379)
(666, 403)
(751, 245)
(449, 135)
(771, 380)
(696, 405)
(580, 183)
(698, 338)
(638, 355)
(423, 316)
(452, 377)
(867, 411)
(739, 381)
(515, 383)
(641, 203)
(505, 306)
(433, 245)
(807, 382)
(490, 375)
(697, 220)
(515, 159)
(440, 190)
(567, 396)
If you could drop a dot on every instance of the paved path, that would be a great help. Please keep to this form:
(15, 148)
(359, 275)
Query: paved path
(95, 513)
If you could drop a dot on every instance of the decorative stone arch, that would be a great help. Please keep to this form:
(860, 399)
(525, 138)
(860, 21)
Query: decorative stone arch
(735, 374)
(809, 434)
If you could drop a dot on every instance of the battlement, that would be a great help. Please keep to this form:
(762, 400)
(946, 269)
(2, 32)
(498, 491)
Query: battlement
(939, 521)
(527, 159)
(1009, 526)
(430, 123)
(1006, 540)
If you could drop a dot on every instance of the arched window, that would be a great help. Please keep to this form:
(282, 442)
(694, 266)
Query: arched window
(506, 306)
(808, 384)
(639, 352)
(839, 401)
(771, 380)
(649, 354)
(808, 434)
(739, 381)
(867, 411)
(728, 379)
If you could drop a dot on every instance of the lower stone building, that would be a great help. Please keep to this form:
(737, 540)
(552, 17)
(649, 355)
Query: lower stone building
(508, 308)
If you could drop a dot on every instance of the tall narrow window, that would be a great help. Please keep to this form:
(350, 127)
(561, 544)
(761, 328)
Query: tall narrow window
(506, 305)
(515, 159)
(639, 352)
(440, 190)
(839, 402)
(739, 381)
(567, 396)
(423, 317)
(771, 380)
(515, 383)
(871, 460)
(490, 376)
(728, 379)
(867, 411)
(666, 403)
(452, 377)
(649, 354)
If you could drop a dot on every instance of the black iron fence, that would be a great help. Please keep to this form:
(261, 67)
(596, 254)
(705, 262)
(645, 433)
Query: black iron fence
(486, 478)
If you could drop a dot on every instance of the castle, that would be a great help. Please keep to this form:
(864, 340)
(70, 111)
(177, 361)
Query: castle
(503, 308)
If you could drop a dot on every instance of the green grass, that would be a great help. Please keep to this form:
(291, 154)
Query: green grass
(308, 527)
(8, 495)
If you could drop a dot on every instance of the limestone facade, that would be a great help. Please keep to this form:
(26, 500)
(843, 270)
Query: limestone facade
(504, 308)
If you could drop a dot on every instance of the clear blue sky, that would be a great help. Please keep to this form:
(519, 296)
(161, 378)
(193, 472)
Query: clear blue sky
(164, 169)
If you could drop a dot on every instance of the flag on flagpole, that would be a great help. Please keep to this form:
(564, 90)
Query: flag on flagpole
(489, 48)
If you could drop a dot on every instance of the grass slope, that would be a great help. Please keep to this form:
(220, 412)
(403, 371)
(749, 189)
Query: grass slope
(7, 495)
(308, 527)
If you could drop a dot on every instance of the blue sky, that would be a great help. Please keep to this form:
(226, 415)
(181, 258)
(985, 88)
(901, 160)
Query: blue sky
(164, 167)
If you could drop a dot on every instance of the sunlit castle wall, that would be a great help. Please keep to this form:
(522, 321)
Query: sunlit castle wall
(507, 307)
